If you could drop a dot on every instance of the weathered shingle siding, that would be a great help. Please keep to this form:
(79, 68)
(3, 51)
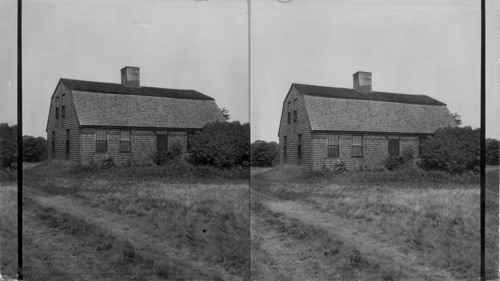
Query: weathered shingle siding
(143, 146)
(70, 121)
(375, 151)
(292, 130)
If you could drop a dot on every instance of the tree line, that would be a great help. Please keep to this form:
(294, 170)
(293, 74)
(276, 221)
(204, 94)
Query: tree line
(226, 144)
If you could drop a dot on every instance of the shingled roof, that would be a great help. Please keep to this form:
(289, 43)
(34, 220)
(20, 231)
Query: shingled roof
(340, 109)
(116, 105)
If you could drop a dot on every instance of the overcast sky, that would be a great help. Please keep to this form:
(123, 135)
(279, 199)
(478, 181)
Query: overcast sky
(429, 47)
(412, 47)
(200, 45)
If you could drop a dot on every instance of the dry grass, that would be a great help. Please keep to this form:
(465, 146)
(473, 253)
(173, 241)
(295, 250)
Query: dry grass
(492, 185)
(205, 217)
(435, 215)
(8, 229)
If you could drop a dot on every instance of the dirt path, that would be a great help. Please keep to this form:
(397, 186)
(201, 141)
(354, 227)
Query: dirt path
(259, 170)
(278, 257)
(371, 242)
(30, 165)
(49, 247)
(134, 231)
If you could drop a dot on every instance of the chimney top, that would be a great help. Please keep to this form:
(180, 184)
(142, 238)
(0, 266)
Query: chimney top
(130, 76)
(362, 81)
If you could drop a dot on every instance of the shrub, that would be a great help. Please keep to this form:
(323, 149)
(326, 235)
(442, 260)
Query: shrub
(393, 162)
(8, 175)
(162, 157)
(107, 162)
(407, 154)
(452, 149)
(34, 149)
(222, 144)
(176, 149)
(492, 152)
(264, 154)
(8, 145)
(93, 166)
(338, 168)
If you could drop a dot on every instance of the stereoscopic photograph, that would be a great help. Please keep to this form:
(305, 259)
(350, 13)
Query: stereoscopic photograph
(371, 112)
(249, 140)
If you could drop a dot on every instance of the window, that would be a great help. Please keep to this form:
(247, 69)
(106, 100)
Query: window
(161, 142)
(284, 148)
(125, 145)
(57, 107)
(190, 137)
(67, 144)
(289, 116)
(63, 107)
(101, 141)
(299, 148)
(357, 146)
(421, 143)
(393, 146)
(295, 110)
(332, 147)
(53, 143)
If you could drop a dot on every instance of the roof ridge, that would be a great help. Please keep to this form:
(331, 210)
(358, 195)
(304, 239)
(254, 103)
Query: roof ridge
(79, 80)
(118, 88)
(348, 93)
(360, 91)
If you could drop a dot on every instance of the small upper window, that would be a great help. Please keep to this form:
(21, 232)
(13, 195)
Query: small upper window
(57, 107)
(295, 110)
(63, 107)
(289, 113)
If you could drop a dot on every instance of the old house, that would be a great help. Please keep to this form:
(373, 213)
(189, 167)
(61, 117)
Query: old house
(127, 122)
(325, 126)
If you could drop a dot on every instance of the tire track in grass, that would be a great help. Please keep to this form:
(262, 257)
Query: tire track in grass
(275, 256)
(53, 255)
(154, 248)
(376, 249)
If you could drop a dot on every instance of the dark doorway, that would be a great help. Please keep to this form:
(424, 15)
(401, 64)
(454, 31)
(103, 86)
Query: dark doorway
(161, 142)
(394, 147)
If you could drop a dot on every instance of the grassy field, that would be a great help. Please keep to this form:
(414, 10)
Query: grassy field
(400, 225)
(136, 223)
(8, 223)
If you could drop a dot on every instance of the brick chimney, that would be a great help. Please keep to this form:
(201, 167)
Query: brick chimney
(362, 81)
(130, 76)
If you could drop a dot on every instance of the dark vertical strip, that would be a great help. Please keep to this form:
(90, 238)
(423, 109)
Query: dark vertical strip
(19, 145)
(249, 137)
(483, 139)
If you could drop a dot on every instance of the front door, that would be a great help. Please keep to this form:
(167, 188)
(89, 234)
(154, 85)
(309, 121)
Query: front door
(162, 142)
(393, 147)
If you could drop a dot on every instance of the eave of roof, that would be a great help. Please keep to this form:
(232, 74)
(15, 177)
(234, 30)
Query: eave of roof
(344, 93)
(113, 88)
